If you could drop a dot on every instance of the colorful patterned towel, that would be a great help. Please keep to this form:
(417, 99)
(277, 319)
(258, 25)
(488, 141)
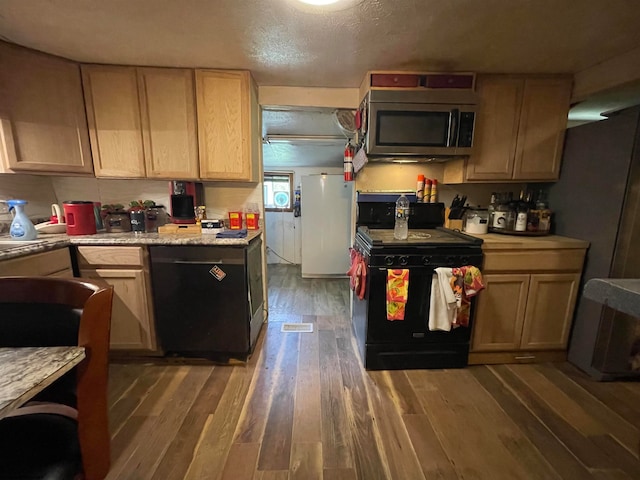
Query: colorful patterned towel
(465, 282)
(397, 293)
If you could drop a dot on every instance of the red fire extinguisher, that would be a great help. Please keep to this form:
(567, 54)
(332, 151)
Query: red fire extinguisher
(348, 162)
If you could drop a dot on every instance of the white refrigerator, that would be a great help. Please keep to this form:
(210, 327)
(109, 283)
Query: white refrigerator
(326, 203)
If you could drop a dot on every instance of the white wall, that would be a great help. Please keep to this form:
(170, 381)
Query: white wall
(282, 229)
(36, 189)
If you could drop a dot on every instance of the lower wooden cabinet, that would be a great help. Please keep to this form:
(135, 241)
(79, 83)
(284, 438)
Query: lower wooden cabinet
(126, 269)
(525, 311)
(55, 263)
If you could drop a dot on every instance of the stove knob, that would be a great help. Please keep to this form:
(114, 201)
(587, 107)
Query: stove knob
(426, 260)
(404, 260)
(464, 261)
(388, 260)
(452, 261)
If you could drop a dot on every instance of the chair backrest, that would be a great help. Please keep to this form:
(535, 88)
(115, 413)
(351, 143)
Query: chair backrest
(66, 299)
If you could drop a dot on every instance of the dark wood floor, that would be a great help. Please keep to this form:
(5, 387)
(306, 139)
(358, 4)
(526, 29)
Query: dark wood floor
(304, 408)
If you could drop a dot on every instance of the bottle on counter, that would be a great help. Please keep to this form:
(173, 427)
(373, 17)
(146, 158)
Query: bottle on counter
(21, 227)
(420, 188)
(426, 197)
(401, 229)
(433, 198)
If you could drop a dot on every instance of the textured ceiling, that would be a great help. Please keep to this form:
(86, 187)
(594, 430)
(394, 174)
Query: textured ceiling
(284, 43)
(287, 45)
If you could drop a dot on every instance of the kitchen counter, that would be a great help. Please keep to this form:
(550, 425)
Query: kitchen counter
(622, 294)
(497, 241)
(53, 241)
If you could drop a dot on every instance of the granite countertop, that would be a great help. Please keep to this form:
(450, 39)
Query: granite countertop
(53, 241)
(497, 241)
(622, 294)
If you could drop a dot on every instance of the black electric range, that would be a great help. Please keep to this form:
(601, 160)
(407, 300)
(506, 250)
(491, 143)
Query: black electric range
(408, 343)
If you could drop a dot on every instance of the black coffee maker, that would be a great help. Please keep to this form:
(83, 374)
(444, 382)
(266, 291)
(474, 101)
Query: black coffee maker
(185, 196)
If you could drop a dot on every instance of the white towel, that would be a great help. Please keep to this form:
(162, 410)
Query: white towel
(443, 305)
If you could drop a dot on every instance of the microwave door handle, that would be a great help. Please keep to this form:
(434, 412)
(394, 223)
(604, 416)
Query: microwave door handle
(452, 141)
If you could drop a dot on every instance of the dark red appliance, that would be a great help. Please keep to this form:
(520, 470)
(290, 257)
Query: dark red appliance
(406, 344)
(185, 196)
(80, 217)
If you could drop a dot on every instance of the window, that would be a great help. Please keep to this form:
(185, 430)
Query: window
(278, 192)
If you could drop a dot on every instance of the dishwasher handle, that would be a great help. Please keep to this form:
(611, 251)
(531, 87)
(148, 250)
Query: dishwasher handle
(200, 262)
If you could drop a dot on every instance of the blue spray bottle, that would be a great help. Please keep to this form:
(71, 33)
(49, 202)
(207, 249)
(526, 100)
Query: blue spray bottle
(21, 226)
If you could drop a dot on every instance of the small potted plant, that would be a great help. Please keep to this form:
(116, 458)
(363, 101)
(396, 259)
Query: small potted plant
(116, 218)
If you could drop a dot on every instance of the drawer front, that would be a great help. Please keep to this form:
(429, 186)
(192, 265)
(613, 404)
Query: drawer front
(38, 264)
(394, 80)
(126, 256)
(534, 261)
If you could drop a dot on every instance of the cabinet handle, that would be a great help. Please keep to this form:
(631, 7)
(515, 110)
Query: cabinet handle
(524, 357)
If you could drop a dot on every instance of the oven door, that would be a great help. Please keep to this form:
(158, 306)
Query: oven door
(414, 329)
(419, 129)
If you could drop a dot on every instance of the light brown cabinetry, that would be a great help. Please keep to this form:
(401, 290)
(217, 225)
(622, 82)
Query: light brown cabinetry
(54, 263)
(526, 309)
(519, 132)
(141, 121)
(126, 269)
(228, 126)
(43, 127)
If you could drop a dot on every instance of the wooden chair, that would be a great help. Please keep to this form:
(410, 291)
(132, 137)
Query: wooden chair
(45, 311)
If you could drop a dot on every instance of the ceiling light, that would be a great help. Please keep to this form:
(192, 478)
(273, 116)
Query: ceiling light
(319, 2)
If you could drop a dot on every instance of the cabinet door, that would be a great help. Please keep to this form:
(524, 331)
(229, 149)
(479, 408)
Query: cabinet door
(167, 101)
(543, 122)
(113, 113)
(550, 306)
(497, 128)
(225, 125)
(44, 127)
(500, 313)
(130, 318)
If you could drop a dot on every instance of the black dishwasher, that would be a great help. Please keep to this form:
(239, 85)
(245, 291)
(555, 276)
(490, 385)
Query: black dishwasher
(208, 299)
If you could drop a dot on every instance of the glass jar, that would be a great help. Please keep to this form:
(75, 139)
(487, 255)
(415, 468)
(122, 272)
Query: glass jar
(156, 216)
(503, 218)
(476, 220)
(118, 222)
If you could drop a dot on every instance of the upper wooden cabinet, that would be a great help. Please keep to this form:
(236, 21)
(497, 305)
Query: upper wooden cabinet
(43, 127)
(141, 121)
(228, 125)
(519, 130)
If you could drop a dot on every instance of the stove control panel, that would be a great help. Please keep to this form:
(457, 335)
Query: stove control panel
(433, 261)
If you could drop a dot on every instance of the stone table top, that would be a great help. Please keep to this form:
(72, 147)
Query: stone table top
(26, 371)
(622, 294)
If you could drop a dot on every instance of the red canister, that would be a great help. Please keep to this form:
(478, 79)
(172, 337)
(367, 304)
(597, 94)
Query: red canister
(80, 217)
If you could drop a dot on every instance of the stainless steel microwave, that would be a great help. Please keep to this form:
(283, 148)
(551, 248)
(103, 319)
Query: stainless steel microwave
(429, 123)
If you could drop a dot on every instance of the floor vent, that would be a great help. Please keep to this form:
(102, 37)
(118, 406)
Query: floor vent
(297, 327)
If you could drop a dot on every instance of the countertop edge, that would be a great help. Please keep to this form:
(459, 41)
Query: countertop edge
(53, 242)
(496, 241)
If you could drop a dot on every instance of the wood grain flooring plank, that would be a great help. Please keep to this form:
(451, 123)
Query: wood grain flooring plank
(433, 460)
(610, 422)
(610, 475)
(272, 475)
(558, 456)
(179, 454)
(336, 446)
(241, 462)
(578, 444)
(400, 456)
(253, 417)
(218, 433)
(140, 387)
(306, 461)
(608, 393)
(122, 444)
(156, 434)
(121, 377)
(367, 448)
(620, 456)
(397, 386)
(565, 406)
(339, 474)
(307, 416)
(275, 452)
(465, 416)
